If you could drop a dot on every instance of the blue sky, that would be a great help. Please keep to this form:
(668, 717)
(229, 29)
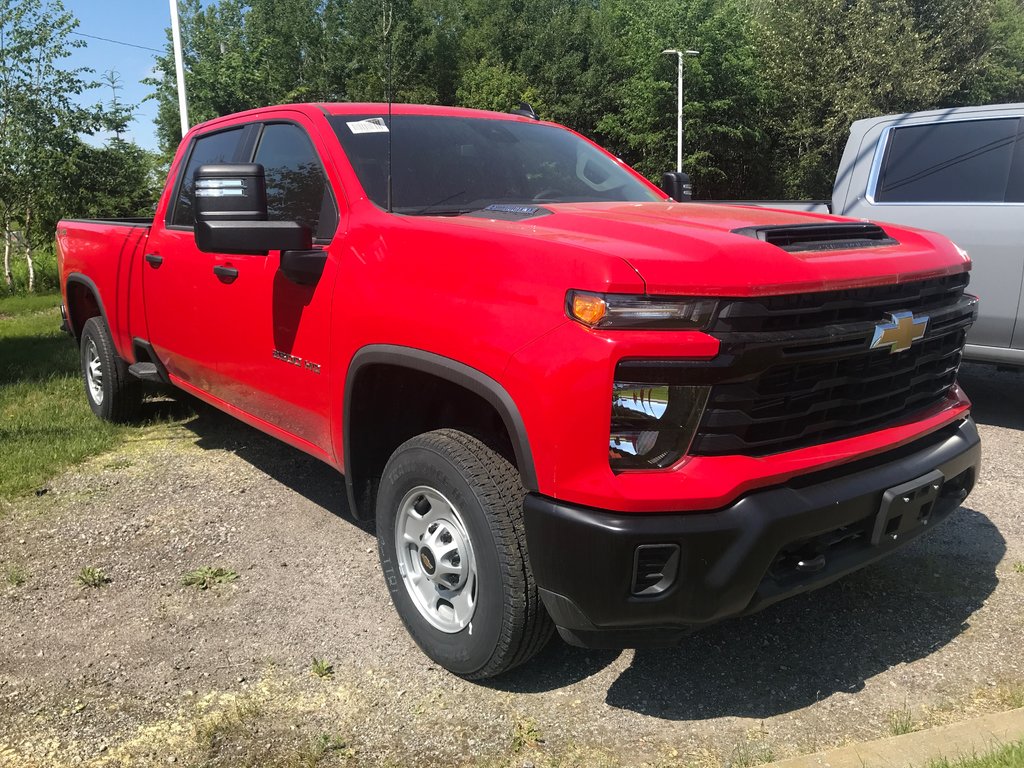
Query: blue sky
(140, 22)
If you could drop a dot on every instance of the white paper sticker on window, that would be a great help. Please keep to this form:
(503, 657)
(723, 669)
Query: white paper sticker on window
(372, 125)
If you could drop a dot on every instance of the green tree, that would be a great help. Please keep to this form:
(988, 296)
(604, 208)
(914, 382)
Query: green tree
(39, 122)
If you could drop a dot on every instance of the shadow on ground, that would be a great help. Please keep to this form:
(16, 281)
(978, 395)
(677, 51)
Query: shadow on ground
(321, 484)
(786, 658)
(998, 396)
(831, 641)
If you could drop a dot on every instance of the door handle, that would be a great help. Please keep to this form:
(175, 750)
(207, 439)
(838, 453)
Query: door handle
(155, 260)
(225, 274)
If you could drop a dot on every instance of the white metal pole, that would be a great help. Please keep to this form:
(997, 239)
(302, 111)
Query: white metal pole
(679, 115)
(179, 67)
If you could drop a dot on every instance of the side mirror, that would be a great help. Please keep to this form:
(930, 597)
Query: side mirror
(676, 185)
(230, 202)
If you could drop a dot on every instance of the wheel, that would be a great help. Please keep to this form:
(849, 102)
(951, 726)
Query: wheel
(112, 392)
(453, 551)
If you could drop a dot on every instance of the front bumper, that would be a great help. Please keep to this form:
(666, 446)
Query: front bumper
(744, 557)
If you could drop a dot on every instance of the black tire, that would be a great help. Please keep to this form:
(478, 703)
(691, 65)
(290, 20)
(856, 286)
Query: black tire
(113, 393)
(509, 625)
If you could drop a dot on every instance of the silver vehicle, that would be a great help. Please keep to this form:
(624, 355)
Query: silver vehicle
(959, 172)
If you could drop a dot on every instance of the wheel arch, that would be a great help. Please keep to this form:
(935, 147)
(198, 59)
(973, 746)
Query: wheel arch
(83, 301)
(452, 373)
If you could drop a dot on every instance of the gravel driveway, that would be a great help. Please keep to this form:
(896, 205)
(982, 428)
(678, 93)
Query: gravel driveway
(144, 670)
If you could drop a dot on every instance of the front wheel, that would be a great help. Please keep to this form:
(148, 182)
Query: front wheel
(453, 550)
(111, 391)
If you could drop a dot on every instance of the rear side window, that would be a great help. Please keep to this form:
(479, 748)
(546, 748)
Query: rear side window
(218, 147)
(297, 188)
(960, 162)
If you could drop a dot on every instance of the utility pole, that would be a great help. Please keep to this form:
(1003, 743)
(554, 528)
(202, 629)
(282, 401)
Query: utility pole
(679, 105)
(179, 67)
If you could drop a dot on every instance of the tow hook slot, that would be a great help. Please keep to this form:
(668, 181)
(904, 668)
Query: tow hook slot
(907, 506)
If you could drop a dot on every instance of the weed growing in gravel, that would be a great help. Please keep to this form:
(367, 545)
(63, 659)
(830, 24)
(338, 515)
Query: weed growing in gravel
(15, 575)
(321, 668)
(525, 733)
(92, 577)
(900, 721)
(753, 750)
(320, 747)
(206, 577)
(1019, 566)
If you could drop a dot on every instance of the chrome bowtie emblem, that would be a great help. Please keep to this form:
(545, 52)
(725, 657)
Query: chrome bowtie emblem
(900, 331)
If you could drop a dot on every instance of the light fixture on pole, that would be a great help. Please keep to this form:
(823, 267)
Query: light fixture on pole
(679, 106)
(179, 67)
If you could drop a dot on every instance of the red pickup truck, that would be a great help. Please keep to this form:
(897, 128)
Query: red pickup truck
(567, 400)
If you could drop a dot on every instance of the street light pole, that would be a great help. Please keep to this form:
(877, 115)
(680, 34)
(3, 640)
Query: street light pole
(179, 67)
(679, 102)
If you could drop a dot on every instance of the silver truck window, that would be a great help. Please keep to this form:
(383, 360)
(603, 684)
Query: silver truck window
(967, 161)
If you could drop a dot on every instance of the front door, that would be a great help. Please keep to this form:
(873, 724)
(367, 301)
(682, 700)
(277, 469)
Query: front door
(273, 334)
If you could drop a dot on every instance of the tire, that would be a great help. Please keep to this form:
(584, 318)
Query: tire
(458, 508)
(113, 393)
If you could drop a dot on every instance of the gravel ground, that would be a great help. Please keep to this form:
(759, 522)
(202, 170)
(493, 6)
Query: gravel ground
(146, 671)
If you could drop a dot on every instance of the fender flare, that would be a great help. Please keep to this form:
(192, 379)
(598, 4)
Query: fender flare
(450, 370)
(79, 278)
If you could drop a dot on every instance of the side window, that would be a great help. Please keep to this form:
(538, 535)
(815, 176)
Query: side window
(212, 148)
(959, 162)
(297, 188)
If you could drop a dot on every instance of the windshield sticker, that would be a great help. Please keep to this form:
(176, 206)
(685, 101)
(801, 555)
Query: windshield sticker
(371, 125)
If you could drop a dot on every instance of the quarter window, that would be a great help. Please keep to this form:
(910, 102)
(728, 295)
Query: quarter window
(297, 188)
(219, 147)
(958, 162)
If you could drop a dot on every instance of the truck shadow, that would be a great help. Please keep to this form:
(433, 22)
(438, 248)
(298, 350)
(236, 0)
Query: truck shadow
(831, 641)
(997, 395)
(319, 483)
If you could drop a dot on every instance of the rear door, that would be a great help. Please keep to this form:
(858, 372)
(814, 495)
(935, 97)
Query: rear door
(963, 178)
(178, 279)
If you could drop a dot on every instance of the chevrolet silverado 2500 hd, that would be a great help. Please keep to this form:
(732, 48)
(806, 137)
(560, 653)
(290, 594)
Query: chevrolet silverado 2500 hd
(567, 401)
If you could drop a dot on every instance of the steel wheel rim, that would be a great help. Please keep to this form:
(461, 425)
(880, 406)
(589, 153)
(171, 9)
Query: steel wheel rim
(436, 560)
(94, 372)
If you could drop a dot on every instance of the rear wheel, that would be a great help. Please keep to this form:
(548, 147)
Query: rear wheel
(112, 392)
(453, 550)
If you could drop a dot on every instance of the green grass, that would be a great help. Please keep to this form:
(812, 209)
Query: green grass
(901, 721)
(321, 668)
(15, 575)
(1019, 567)
(206, 577)
(1008, 756)
(92, 577)
(45, 422)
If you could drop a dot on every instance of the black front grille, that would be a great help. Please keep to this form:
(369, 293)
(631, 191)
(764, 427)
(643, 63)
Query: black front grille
(798, 370)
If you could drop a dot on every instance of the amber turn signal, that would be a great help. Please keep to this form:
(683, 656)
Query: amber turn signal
(588, 308)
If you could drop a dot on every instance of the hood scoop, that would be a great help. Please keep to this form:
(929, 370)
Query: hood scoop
(845, 236)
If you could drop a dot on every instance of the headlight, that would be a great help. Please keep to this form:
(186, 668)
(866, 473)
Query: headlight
(618, 311)
(652, 424)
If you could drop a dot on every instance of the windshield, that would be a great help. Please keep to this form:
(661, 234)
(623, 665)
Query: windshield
(450, 165)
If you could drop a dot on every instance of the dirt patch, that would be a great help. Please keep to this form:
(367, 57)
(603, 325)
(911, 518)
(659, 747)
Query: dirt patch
(144, 670)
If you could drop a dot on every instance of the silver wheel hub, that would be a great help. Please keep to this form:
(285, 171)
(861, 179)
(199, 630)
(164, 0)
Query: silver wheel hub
(435, 559)
(93, 372)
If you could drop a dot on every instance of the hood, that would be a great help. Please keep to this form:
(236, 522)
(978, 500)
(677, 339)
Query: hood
(693, 248)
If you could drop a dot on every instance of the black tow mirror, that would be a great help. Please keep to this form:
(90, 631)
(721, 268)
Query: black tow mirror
(230, 202)
(676, 185)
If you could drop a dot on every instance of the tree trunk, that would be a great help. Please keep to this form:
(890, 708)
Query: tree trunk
(28, 252)
(8, 277)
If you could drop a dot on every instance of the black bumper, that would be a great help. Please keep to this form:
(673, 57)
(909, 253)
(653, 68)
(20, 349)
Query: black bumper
(768, 545)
